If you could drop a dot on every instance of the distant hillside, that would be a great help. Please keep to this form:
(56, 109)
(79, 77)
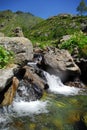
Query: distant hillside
(10, 20)
(48, 31)
(55, 27)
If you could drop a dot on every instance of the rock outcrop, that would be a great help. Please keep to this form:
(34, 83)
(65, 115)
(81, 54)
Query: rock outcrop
(22, 48)
(17, 32)
(60, 63)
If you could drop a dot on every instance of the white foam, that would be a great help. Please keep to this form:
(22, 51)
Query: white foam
(31, 63)
(2, 119)
(23, 108)
(56, 86)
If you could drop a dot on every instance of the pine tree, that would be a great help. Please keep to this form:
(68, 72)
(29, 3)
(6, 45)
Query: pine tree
(82, 8)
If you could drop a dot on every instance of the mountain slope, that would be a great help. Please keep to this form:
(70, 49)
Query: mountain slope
(55, 27)
(9, 21)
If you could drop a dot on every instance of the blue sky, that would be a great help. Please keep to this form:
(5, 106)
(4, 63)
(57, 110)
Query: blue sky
(41, 8)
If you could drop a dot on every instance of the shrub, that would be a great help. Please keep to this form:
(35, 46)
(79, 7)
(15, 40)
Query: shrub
(78, 40)
(6, 57)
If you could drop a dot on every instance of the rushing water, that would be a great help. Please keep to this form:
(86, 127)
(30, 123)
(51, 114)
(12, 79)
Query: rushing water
(61, 108)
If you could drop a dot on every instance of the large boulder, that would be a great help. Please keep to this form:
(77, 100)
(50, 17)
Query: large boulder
(60, 63)
(22, 48)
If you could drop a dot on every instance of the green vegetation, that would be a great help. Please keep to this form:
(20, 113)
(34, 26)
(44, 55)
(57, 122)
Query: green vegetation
(47, 32)
(54, 28)
(79, 41)
(10, 20)
(6, 57)
(82, 8)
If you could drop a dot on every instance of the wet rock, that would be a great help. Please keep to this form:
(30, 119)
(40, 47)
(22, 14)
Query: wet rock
(31, 86)
(60, 63)
(22, 48)
(28, 92)
(10, 93)
(75, 83)
(33, 78)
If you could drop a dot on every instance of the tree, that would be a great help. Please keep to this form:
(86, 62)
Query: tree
(82, 8)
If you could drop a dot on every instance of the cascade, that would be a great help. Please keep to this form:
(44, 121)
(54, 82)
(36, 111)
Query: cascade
(56, 86)
(21, 107)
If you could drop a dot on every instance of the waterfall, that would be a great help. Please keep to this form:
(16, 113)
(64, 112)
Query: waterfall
(56, 86)
(23, 108)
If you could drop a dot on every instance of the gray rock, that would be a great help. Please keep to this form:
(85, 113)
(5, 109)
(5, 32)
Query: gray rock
(6, 76)
(60, 63)
(65, 38)
(18, 32)
(22, 48)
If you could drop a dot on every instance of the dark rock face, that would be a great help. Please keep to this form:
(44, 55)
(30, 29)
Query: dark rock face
(83, 67)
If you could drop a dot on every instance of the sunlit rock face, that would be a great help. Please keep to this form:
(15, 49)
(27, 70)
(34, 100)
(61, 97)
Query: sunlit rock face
(22, 48)
(60, 63)
(8, 95)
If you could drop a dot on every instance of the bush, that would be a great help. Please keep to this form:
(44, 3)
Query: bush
(78, 40)
(6, 57)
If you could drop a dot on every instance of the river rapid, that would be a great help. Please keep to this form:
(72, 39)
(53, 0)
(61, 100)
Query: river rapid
(61, 108)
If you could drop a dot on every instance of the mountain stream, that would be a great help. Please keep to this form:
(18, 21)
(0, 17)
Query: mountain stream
(61, 108)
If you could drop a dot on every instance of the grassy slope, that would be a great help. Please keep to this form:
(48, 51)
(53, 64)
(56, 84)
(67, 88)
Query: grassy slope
(54, 28)
(46, 32)
(10, 21)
